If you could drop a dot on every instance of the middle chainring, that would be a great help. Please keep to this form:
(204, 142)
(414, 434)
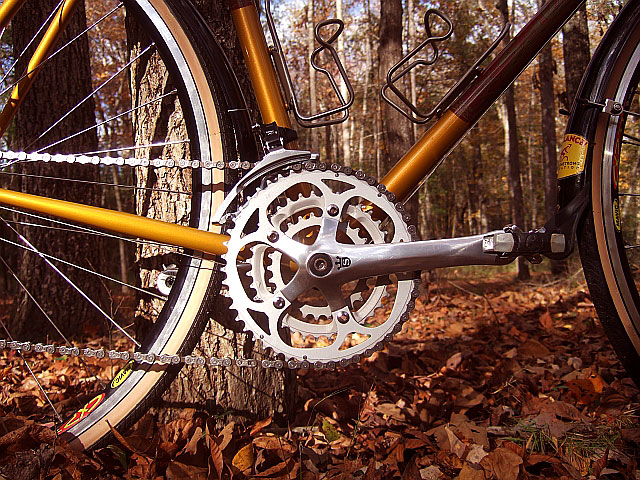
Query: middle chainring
(280, 227)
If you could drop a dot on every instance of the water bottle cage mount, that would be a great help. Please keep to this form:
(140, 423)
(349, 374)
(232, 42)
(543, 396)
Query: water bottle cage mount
(411, 61)
(315, 119)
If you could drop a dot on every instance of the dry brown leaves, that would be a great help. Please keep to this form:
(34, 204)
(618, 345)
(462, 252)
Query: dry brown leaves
(488, 380)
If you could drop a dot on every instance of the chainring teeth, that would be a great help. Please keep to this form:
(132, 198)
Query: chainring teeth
(299, 216)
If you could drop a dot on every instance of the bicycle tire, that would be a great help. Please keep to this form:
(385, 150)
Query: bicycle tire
(605, 237)
(186, 46)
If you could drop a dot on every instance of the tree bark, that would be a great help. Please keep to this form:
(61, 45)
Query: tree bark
(576, 52)
(512, 155)
(240, 394)
(60, 85)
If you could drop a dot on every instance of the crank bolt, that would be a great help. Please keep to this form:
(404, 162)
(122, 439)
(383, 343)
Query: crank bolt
(320, 264)
(279, 302)
(333, 210)
(343, 317)
(273, 237)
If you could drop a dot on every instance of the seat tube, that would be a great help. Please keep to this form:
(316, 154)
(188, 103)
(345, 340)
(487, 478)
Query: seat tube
(258, 60)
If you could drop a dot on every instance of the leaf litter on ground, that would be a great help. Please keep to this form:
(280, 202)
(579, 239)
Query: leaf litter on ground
(489, 379)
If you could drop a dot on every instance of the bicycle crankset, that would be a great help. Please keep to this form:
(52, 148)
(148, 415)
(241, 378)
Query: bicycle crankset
(286, 281)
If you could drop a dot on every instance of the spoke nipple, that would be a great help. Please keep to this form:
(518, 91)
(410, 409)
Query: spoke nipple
(333, 210)
(273, 237)
(279, 302)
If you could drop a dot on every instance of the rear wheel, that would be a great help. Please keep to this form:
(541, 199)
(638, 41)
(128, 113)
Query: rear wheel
(178, 113)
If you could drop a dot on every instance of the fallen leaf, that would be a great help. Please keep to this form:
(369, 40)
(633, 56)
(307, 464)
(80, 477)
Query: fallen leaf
(226, 435)
(260, 425)
(391, 410)
(470, 473)
(432, 472)
(546, 321)
(502, 463)
(533, 349)
(549, 422)
(455, 445)
(600, 464)
(454, 361)
(216, 457)
(330, 432)
(243, 459)
(476, 454)
(181, 471)
(411, 471)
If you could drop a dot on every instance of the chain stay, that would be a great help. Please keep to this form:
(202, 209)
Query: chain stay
(8, 158)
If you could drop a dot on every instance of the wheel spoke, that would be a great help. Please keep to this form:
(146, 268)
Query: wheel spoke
(107, 121)
(80, 229)
(48, 317)
(137, 147)
(89, 182)
(81, 102)
(26, 364)
(71, 283)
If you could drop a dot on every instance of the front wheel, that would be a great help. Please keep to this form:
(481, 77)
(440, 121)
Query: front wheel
(610, 237)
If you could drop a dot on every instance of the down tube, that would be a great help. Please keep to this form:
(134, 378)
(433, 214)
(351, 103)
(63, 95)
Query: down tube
(423, 158)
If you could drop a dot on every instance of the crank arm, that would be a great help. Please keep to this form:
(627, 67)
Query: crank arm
(352, 262)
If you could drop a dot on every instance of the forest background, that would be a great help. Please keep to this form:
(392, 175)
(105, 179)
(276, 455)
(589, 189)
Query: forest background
(503, 172)
(473, 191)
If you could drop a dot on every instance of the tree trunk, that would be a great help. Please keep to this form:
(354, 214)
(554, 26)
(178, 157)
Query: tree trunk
(396, 130)
(411, 24)
(241, 394)
(575, 48)
(345, 126)
(475, 195)
(512, 155)
(546, 71)
(313, 96)
(60, 85)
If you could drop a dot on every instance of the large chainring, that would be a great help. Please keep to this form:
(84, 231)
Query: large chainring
(306, 212)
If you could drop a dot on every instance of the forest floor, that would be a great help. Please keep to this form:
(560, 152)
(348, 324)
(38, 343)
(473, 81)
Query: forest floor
(490, 379)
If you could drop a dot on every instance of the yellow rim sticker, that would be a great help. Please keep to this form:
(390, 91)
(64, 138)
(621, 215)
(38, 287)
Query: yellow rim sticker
(122, 375)
(616, 214)
(572, 156)
(82, 413)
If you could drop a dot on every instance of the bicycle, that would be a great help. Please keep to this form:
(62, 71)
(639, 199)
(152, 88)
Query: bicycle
(293, 224)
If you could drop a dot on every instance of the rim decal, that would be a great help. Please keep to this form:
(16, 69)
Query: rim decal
(82, 413)
(122, 375)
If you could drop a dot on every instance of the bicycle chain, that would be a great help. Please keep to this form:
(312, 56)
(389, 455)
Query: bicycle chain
(199, 360)
(8, 158)
(148, 358)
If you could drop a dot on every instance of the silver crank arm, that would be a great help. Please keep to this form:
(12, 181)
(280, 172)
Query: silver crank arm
(352, 262)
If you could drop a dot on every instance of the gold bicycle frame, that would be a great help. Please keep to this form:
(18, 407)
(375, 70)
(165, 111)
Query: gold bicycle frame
(402, 180)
